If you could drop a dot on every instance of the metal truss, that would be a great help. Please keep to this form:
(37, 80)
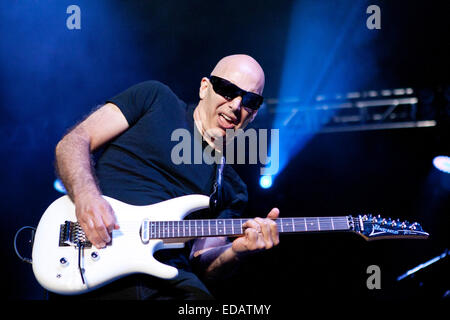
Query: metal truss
(354, 111)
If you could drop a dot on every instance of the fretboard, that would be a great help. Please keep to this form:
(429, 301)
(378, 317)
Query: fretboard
(233, 227)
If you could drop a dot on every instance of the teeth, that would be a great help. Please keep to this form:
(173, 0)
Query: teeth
(227, 118)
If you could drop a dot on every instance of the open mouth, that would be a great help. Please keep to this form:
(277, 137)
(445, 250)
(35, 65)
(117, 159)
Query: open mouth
(226, 122)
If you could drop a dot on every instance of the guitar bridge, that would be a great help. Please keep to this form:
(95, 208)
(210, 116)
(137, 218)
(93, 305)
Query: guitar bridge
(71, 234)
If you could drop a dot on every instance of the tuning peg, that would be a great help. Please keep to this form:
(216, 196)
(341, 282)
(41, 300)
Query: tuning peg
(383, 222)
(365, 218)
(403, 225)
(393, 223)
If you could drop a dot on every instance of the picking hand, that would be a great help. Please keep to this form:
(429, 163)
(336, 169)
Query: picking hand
(97, 219)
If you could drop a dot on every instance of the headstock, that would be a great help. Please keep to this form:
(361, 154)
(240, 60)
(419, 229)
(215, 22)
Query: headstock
(375, 228)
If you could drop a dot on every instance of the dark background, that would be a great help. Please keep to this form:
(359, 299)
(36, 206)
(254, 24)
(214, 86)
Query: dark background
(51, 77)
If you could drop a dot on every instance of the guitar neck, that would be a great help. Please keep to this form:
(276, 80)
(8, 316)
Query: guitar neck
(233, 227)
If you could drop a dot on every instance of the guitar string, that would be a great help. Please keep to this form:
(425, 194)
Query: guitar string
(231, 223)
(327, 223)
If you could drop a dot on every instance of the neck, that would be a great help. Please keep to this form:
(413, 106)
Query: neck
(199, 121)
(233, 227)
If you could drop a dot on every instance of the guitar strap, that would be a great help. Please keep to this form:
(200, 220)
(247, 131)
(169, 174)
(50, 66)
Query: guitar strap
(216, 196)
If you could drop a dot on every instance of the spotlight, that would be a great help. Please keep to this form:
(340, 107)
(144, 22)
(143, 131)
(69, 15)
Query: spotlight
(442, 163)
(265, 182)
(58, 185)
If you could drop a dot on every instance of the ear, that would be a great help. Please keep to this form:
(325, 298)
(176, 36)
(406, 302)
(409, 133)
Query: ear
(204, 85)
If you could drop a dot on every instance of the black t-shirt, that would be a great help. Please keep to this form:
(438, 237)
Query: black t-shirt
(136, 167)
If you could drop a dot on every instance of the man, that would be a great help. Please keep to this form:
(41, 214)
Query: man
(135, 167)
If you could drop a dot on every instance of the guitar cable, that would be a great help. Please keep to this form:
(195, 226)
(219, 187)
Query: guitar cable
(27, 260)
(80, 250)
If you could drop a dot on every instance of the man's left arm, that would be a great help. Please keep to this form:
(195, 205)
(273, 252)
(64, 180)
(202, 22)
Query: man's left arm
(218, 257)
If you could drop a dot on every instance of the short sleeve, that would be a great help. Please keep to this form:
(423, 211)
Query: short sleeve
(137, 100)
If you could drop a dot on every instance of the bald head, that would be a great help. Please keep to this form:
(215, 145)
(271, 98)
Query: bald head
(243, 71)
(216, 114)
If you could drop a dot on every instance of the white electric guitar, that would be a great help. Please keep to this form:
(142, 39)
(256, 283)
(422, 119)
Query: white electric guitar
(65, 262)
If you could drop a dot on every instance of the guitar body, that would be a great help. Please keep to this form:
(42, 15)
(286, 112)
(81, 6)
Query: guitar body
(57, 267)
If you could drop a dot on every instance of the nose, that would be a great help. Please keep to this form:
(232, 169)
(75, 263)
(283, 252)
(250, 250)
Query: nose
(235, 104)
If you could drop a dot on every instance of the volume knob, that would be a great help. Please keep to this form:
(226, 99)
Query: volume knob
(95, 256)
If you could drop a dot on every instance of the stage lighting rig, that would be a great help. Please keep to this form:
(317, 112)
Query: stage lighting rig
(352, 111)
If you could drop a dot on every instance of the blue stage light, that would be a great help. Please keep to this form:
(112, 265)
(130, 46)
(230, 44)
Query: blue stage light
(265, 182)
(58, 185)
(315, 68)
(442, 163)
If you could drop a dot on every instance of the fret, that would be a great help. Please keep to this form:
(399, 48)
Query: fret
(168, 226)
(199, 228)
(213, 227)
(237, 226)
(287, 225)
(205, 227)
(328, 224)
(299, 225)
(341, 224)
(186, 228)
(312, 224)
(229, 227)
(192, 227)
(158, 229)
(167, 229)
(220, 227)
(209, 227)
(306, 227)
(322, 224)
(151, 230)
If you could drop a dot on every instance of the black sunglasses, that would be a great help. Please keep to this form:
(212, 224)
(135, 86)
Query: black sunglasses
(230, 91)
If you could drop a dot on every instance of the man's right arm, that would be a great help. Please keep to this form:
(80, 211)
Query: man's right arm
(74, 166)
